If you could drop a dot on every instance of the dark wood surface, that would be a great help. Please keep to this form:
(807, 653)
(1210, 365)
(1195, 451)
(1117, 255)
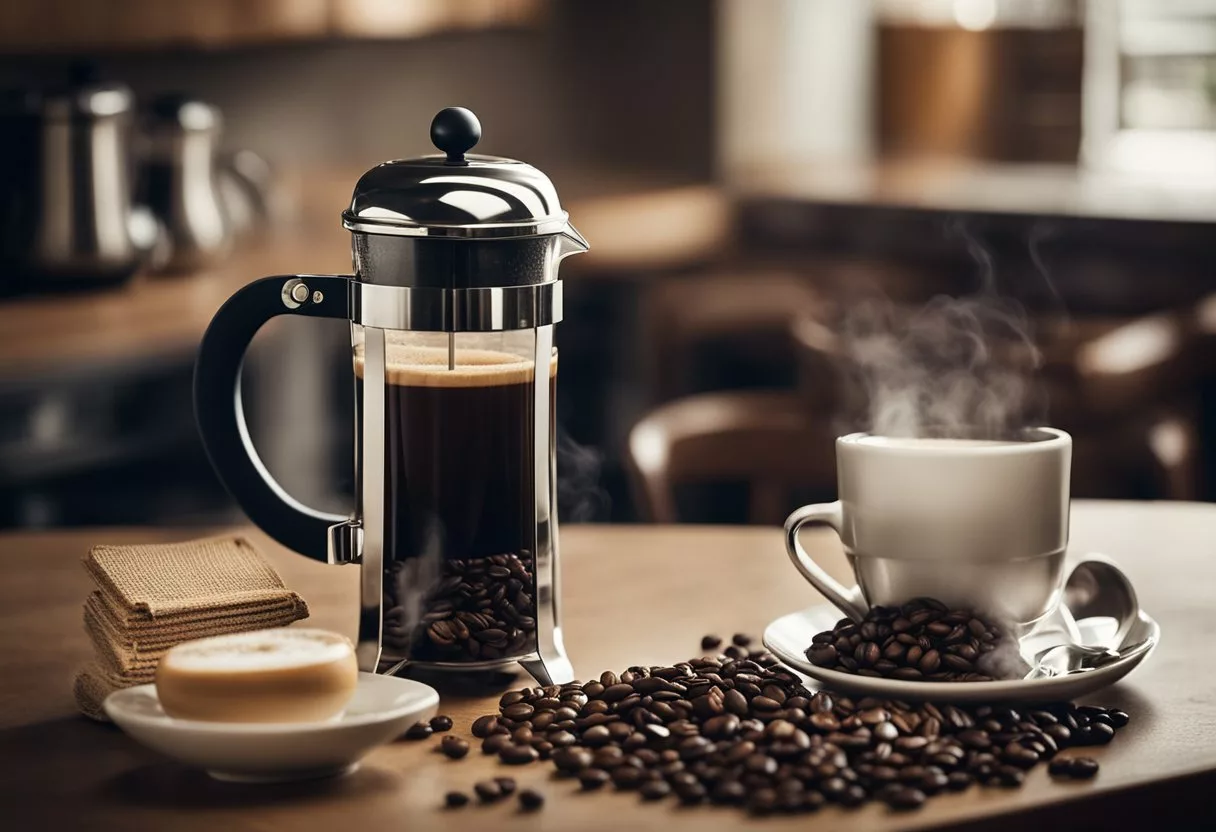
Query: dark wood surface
(633, 594)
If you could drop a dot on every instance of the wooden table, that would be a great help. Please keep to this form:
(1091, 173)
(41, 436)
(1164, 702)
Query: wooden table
(633, 595)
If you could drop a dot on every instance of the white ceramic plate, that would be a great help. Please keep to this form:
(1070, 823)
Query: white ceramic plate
(383, 707)
(789, 636)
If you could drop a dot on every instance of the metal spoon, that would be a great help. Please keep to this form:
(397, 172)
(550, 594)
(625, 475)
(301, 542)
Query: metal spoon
(1064, 659)
(1095, 587)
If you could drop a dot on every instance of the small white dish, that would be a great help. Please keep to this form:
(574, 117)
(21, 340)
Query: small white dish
(382, 708)
(789, 636)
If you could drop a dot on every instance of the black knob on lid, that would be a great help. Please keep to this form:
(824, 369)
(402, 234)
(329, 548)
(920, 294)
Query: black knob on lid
(454, 131)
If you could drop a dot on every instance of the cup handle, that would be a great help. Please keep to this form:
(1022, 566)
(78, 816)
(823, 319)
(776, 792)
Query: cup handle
(848, 599)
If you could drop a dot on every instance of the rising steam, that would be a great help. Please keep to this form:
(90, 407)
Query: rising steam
(956, 367)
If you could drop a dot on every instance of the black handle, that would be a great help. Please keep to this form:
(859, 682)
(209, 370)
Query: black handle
(221, 418)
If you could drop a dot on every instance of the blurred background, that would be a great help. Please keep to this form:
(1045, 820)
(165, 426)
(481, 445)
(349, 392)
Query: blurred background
(748, 172)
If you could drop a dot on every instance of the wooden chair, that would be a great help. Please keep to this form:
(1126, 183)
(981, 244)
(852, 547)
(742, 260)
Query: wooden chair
(763, 439)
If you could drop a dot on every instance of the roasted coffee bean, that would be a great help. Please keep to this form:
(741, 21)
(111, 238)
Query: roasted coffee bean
(488, 791)
(627, 777)
(739, 731)
(455, 800)
(710, 642)
(518, 755)
(507, 785)
(417, 731)
(593, 778)
(654, 790)
(476, 609)
(741, 640)
(495, 743)
(454, 747)
(518, 711)
(483, 726)
(441, 723)
(905, 797)
(530, 800)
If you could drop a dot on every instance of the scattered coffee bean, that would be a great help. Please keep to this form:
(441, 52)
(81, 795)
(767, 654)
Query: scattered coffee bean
(441, 723)
(454, 747)
(487, 791)
(741, 640)
(738, 729)
(417, 731)
(921, 640)
(593, 778)
(710, 642)
(495, 743)
(905, 797)
(518, 755)
(655, 790)
(1079, 768)
(454, 800)
(484, 725)
(531, 800)
(506, 785)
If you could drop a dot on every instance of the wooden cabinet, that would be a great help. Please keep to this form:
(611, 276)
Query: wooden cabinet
(49, 26)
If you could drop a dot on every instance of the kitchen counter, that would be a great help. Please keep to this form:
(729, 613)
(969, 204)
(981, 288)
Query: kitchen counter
(633, 594)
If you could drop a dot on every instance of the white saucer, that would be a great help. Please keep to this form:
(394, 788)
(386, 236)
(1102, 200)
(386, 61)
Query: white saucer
(383, 707)
(789, 636)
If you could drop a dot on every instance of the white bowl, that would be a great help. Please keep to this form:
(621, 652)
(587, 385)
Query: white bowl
(382, 708)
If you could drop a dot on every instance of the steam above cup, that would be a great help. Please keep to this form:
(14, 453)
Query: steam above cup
(980, 524)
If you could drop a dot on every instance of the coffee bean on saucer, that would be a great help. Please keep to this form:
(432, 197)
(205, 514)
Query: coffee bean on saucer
(441, 723)
(487, 791)
(417, 731)
(710, 642)
(454, 747)
(531, 800)
(914, 642)
(454, 800)
(518, 755)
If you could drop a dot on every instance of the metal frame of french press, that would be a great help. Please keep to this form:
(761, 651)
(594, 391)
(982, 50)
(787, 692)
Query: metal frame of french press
(385, 294)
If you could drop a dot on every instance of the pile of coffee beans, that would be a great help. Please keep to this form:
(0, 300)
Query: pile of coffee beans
(480, 609)
(923, 640)
(740, 730)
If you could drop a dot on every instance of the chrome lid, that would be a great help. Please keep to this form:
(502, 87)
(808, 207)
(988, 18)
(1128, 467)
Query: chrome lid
(455, 194)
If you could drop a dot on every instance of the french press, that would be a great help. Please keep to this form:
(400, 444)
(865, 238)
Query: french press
(452, 307)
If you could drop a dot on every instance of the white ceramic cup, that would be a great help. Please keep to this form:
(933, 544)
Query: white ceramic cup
(975, 524)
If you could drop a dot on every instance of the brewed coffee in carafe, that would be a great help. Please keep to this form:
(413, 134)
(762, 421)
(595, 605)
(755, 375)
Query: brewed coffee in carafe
(460, 486)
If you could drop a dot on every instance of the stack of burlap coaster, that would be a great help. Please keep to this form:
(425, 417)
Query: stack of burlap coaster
(152, 597)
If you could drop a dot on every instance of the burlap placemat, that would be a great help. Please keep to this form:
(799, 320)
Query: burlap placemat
(151, 597)
(175, 628)
(121, 652)
(149, 581)
(91, 687)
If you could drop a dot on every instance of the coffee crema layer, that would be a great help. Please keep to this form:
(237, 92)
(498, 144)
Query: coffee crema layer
(275, 675)
(414, 366)
(938, 443)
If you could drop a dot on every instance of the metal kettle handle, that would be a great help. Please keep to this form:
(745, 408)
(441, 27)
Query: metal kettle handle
(221, 417)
